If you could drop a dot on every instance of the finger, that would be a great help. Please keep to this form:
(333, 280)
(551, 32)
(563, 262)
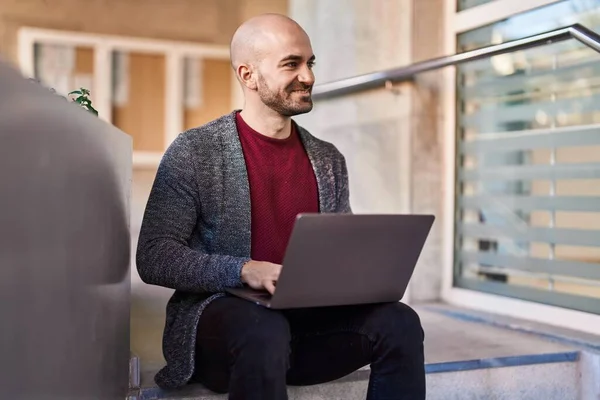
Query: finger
(269, 286)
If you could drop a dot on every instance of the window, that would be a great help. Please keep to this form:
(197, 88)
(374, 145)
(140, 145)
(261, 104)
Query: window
(64, 67)
(528, 163)
(464, 4)
(138, 96)
(150, 89)
(206, 78)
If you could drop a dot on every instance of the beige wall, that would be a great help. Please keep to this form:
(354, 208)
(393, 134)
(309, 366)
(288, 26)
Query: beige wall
(206, 21)
(391, 138)
(428, 135)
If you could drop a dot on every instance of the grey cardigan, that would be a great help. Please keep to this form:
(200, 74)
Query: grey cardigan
(195, 235)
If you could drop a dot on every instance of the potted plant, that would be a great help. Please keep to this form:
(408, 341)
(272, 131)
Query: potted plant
(81, 96)
(83, 99)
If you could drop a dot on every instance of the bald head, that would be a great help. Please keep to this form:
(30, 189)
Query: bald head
(273, 59)
(254, 37)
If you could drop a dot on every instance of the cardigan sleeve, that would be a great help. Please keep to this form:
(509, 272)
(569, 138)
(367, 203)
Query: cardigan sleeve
(164, 257)
(343, 191)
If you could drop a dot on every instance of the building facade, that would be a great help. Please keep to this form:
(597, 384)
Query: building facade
(505, 151)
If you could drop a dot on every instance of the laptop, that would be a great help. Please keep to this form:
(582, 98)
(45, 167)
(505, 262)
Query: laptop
(346, 259)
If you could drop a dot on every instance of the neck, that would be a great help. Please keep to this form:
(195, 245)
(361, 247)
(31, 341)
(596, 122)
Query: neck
(267, 122)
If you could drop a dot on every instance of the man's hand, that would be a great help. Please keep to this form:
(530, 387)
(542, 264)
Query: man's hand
(261, 275)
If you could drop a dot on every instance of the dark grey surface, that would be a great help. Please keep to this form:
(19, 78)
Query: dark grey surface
(64, 248)
(377, 79)
(375, 254)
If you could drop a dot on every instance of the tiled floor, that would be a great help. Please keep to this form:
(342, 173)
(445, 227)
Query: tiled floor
(449, 339)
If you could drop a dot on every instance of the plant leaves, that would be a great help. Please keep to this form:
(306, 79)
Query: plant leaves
(83, 100)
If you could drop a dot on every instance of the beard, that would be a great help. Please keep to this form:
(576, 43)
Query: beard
(286, 102)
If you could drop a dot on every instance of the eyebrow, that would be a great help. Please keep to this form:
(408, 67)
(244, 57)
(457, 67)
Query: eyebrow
(296, 57)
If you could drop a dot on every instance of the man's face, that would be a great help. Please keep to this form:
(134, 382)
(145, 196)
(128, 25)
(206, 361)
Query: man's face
(285, 76)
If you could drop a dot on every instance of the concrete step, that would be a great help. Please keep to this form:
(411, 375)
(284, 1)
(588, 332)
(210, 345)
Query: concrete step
(550, 376)
(468, 356)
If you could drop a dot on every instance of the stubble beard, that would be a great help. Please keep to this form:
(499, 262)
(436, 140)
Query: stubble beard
(282, 102)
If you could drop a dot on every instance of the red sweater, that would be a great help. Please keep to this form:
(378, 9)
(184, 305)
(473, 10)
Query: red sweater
(282, 185)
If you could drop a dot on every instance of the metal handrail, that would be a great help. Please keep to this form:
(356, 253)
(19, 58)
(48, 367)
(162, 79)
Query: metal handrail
(376, 79)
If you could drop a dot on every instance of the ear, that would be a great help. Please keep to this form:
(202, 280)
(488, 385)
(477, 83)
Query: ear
(247, 76)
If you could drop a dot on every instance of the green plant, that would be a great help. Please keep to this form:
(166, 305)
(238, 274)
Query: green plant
(82, 96)
(84, 100)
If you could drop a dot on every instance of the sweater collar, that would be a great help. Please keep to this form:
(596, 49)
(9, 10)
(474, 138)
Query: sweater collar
(317, 154)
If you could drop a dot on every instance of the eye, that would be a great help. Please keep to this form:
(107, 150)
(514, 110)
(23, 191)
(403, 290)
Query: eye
(292, 64)
(311, 64)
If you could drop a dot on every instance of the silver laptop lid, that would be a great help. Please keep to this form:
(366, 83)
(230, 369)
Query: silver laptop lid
(340, 259)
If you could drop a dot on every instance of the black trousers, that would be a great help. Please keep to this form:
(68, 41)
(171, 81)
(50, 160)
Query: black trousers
(253, 353)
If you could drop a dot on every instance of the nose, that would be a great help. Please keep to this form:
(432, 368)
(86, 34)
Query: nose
(306, 76)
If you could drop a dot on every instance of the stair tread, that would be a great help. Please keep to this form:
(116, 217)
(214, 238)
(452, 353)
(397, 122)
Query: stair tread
(452, 343)
(447, 340)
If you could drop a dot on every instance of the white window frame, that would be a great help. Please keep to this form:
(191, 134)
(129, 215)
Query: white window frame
(456, 23)
(103, 45)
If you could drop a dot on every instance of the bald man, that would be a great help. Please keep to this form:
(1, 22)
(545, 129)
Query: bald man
(220, 214)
